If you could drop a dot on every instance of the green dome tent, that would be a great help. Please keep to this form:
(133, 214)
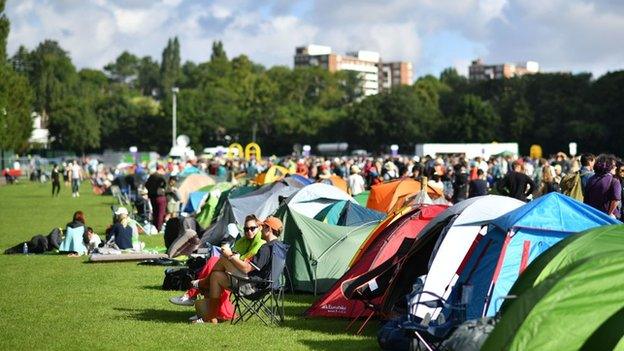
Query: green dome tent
(319, 252)
(570, 298)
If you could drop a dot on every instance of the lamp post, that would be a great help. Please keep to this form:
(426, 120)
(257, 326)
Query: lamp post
(175, 91)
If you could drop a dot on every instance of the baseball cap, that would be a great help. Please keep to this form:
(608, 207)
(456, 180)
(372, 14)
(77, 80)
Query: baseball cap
(274, 223)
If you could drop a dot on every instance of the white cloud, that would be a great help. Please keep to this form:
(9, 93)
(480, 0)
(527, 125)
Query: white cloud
(560, 34)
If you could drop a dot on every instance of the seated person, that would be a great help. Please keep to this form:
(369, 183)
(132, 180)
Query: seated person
(247, 246)
(121, 232)
(259, 266)
(91, 240)
(143, 206)
(78, 220)
(72, 242)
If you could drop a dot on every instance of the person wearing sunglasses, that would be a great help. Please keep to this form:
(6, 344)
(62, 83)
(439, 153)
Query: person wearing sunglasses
(218, 282)
(245, 247)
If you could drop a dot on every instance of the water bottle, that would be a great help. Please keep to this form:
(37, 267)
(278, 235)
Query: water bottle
(25, 249)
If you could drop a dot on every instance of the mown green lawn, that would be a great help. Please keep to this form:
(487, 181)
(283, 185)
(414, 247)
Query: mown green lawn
(62, 303)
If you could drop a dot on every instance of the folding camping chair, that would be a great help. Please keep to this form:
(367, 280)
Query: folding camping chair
(431, 334)
(367, 288)
(267, 299)
(122, 199)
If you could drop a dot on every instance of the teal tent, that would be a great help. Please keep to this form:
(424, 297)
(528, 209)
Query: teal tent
(347, 213)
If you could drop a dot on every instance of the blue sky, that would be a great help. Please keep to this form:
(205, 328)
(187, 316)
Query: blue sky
(562, 35)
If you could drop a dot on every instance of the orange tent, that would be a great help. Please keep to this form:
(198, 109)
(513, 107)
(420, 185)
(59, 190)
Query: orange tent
(388, 196)
(336, 181)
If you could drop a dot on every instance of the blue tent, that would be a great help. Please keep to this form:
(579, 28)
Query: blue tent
(513, 241)
(348, 213)
(195, 199)
(301, 179)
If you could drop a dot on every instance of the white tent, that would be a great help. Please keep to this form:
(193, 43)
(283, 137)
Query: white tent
(313, 198)
(453, 246)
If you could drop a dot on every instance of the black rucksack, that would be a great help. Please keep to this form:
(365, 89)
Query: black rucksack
(196, 264)
(177, 279)
(54, 239)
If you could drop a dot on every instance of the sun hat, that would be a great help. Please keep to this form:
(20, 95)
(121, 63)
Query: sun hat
(121, 210)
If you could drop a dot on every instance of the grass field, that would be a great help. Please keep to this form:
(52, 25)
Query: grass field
(62, 303)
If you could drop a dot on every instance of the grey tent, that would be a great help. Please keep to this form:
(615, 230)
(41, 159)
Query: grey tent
(262, 202)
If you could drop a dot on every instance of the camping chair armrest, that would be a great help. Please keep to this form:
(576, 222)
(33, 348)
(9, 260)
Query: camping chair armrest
(439, 302)
(253, 280)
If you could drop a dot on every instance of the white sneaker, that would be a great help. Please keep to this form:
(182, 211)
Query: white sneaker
(183, 300)
(197, 321)
(193, 318)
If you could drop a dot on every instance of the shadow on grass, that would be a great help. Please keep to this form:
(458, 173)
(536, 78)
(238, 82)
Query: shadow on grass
(295, 320)
(155, 315)
(344, 344)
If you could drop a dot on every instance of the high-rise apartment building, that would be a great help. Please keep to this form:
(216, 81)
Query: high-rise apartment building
(480, 71)
(375, 74)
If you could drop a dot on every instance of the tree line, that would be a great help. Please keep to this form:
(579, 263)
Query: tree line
(224, 99)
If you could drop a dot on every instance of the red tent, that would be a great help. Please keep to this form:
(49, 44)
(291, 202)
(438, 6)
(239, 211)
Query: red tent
(382, 248)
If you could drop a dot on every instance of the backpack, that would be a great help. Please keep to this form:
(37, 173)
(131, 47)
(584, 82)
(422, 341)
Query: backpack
(571, 186)
(55, 238)
(177, 279)
(392, 337)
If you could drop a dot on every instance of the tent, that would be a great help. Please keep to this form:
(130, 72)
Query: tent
(550, 277)
(573, 248)
(208, 199)
(312, 199)
(512, 242)
(347, 213)
(319, 252)
(382, 248)
(301, 179)
(336, 181)
(274, 173)
(384, 197)
(362, 198)
(192, 183)
(578, 307)
(261, 202)
(390, 218)
(415, 261)
(455, 243)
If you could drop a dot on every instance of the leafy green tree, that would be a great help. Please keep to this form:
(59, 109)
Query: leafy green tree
(125, 68)
(15, 98)
(474, 121)
(4, 32)
(170, 66)
(602, 129)
(15, 109)
(218, 52)
(148, 80)
(74, 125)
(52, 77)
(22, 61)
